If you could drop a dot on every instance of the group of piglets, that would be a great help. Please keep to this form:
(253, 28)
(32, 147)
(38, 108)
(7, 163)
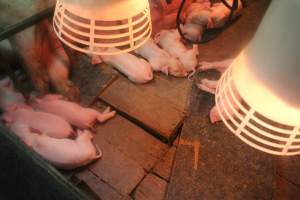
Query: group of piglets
(202, 15)
(166, 54)
(46, 125)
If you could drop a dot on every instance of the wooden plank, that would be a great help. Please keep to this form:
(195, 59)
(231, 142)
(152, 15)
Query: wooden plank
(164, 167)
(174, 90)
(151, 188)
(132, 141)
(288, 167)
(286, 190)
(115, 168)
(159, 106)
(90, 79)
(222, 166)
(99, 187)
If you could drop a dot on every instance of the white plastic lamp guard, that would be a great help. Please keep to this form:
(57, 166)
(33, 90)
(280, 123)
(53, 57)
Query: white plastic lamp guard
(258, 97)
(92, 26)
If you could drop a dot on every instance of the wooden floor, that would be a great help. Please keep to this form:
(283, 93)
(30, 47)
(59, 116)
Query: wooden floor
(143, 157)
(137, 144)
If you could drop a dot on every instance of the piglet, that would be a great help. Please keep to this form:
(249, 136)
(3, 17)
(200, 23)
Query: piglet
(192, 31)
(52, 125)
(73, 113)
(220, 66)
(136, 69)
(62, 153)
(160, 60)
(214, 115)
(170, 41)
(8, 95)
(219, 14)
(211, 85)
(197, 16)
(198, 13)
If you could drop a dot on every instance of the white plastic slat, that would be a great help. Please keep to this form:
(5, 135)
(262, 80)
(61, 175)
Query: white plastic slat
(139, 31)
(228, 106)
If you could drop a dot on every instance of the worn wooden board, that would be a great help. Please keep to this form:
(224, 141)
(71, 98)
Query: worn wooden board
(151, 188)
(286, 190)
(159, 105)
(90, 79)
(164, 166)
(99, 187)
(223, 167)
(115, 168)
(289, 168)
(132, 141)
(128, 151)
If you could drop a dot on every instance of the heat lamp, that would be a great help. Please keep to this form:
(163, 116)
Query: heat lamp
(258, 97)
(91, 26)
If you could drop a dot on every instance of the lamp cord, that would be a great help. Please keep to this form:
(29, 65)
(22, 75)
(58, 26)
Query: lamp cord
(213, 32)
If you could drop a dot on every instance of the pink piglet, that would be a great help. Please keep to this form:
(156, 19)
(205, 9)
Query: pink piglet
(51, 125)
(62, 153)
(75, 114)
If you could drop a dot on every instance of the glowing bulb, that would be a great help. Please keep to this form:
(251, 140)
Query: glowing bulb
(258, 97)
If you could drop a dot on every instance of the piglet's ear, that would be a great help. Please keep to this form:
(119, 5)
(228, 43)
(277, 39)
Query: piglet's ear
(6, 118)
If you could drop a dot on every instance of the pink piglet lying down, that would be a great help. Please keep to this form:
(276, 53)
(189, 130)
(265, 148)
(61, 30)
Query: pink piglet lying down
(161, 60)
(73, 113)
(62, 153)
(52, 125)
(136, 69)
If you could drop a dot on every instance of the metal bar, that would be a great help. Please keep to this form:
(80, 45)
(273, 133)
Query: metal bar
(13, 29)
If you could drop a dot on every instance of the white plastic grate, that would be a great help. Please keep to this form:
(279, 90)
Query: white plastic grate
(93, 36)
(250, 126)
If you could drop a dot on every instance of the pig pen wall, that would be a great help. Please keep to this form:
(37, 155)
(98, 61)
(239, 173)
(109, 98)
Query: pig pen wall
(25, 175)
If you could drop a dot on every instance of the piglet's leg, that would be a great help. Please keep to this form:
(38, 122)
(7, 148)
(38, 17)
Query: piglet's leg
(208, 85)
(214, 115)
(218, 65)
(105, 115)
(99, 152)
